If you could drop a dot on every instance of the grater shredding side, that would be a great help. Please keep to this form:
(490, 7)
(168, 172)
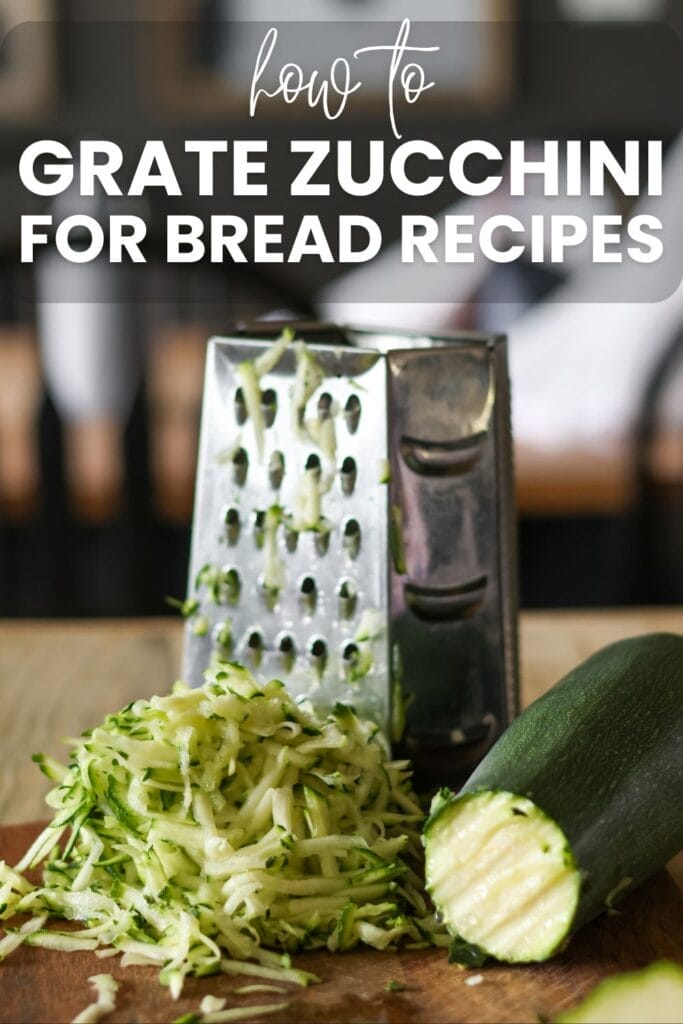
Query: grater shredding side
(308, 635)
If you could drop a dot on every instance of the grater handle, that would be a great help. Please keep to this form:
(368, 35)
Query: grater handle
(442, 458)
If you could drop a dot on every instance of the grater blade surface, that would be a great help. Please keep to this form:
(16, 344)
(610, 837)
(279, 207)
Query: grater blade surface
(309, 634)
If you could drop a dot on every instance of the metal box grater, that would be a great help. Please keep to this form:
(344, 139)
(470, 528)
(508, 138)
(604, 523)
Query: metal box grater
(408, 587)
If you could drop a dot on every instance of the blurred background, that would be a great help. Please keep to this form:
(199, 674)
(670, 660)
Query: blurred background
(100, 396)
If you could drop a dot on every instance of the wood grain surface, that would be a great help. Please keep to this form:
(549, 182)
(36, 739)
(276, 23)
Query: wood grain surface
(38, 985)
(59, 678)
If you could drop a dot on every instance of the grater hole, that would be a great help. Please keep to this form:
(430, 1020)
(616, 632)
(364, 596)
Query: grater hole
(232, 584)
(318, 647)
(313, 463)
(286, 644)
(269, 594)
(352, 537)
(232, 525)
(351, 662)
(240, 407)
(324, 406)
(346, 594)
(291, 539)
(269, 406)
(259, 524)
(240, 466)
(286, 649)
(254, 646)
(352, 411)
(276, 470)
(222, 636)
(348, 474)
(255, 640)
(321, 539)
(317, 651)
(308, 593)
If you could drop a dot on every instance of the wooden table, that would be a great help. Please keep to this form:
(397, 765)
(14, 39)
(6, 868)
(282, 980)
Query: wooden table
(57, 679)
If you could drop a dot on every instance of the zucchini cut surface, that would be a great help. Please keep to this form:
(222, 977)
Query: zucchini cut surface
(502, 875)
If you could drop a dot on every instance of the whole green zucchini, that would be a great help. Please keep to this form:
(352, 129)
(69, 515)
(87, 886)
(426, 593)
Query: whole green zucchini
(578, 802)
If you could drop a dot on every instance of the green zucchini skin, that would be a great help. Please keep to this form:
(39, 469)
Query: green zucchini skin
(602, 755)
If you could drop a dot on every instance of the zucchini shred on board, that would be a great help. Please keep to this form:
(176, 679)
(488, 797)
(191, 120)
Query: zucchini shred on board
(221, 829)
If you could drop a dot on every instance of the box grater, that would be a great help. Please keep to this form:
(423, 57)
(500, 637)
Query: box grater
(397, 592)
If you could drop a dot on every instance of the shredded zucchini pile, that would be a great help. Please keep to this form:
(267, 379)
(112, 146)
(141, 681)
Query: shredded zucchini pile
(221, 825)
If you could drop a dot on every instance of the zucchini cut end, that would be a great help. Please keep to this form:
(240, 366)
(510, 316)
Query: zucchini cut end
(502, 875)
(653, 995)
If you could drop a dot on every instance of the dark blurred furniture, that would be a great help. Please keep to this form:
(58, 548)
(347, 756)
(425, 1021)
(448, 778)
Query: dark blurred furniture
(94, 515)
(606, 527)
(659, 467)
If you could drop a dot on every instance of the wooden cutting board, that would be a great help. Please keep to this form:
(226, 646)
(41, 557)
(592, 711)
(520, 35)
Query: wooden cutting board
(38, 985)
